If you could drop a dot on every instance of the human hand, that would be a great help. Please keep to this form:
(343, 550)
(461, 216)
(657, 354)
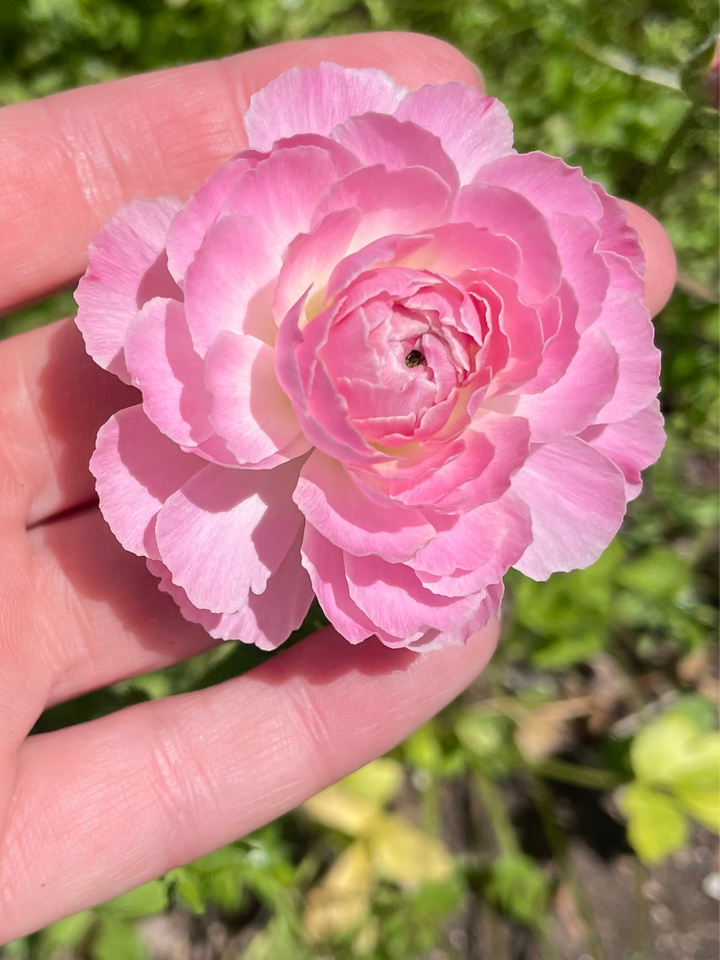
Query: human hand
(93, 810)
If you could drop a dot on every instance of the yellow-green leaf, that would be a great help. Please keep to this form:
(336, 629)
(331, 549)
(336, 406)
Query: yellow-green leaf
(656, 825)
(658, 750)
(704, 806)
(378, 781)
(341, 901)
(406, 855)
(342, 810)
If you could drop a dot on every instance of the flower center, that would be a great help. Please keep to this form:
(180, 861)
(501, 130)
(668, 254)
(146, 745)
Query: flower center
(415, 358)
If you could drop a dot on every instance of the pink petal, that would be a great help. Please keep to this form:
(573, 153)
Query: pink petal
(314, 100)
(437, 640)
(547, 182)
(379, 138)
(127, 268)
(626, 321)
(508, 214)
(189, 227)
(391, 201)
(392, 597)
(324, 563)
(583, 267)
(311, 258)
(250, 411)
(571, 404)
(283, 191)
(137, 468)
(341, 512)
(226, 531)
(487, 540)
(267, 620)
(616, 234)
(163, 364)
(453, 248)
(473, 129)
(577, 502)
(632, 444)
(228, 284)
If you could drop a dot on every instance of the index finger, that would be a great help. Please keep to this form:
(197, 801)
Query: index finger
(70, 160)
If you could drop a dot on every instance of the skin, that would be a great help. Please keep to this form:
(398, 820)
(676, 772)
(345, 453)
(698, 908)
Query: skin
(93, 810)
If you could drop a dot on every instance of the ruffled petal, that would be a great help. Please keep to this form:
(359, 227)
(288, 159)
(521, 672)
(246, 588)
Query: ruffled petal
(188, 229)
(378, 138)
(341, 512)
(267, 619)
(626, 322)
(473, 129)
(315, 100)
(226, 531)
(137, 468)
(577, 502)
(632, 444)
(128, 267)
(163, 364)
(250, 411)
(228, 286)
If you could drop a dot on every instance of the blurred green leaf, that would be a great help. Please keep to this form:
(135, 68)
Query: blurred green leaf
(516, 885)
(656, 825)
(150, 898)
(117, 938)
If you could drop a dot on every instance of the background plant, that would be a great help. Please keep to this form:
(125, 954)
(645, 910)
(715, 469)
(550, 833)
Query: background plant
(501, 828)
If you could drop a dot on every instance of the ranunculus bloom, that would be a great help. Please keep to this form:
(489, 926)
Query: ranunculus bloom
(382, 357)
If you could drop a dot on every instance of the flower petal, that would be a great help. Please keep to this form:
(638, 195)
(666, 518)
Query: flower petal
(341, 512)
(228, 284)
(128, 267)
(137, 468)
(226, 531)
(316, 99)
(632, 444)
(577, 502)
(473, 129)
(163, 364)
(267, 619)
(250, 411)
(379, 138)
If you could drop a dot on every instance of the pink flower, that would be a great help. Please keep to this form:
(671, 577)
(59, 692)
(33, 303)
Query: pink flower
(382, 359)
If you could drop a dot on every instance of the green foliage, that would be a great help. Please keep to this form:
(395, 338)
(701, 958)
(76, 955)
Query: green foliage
(676, 763)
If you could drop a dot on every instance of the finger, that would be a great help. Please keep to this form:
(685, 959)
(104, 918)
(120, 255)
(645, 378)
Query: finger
(99, 616)
(69, 161)
(107, 805)
(661, 266)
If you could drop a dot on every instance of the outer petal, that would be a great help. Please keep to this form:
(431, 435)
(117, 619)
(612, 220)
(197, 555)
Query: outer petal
(487, 540)
(226, 531)
(547, 182)
(267, 620)
(472, 128)
(436, 640)
(617, 236)
(189, 227)
(626, 321)
(632, 444)
(137, 468)
(577, 502)
(250, 411)
(341, 512)
(571, 404)
(392, 597)
(127, 268)
(324, 563)
(163, 364)
(314, 100)
(378, 138)
(227, 286)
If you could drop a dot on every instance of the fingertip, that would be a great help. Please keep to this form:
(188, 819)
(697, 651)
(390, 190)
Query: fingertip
(661, 266)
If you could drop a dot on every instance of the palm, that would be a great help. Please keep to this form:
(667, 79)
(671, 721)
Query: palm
(90, 811)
